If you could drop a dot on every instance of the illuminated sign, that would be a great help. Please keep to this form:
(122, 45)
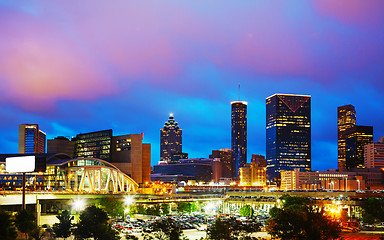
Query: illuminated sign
(23, 164)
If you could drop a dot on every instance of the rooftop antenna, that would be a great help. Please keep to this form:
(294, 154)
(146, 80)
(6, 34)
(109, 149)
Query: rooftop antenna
(239, 91)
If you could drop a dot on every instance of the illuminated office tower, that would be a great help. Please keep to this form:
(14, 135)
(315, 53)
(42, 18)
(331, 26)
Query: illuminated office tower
(356, 138)
(170, 140)
(374, 154)
(94, 145)
(31, 139)
(346, 119)
(239, 136)
(288, 133)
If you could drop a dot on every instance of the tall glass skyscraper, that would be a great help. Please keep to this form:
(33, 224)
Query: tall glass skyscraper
(346, 119)
(288, 133)
(356, 138)
(239, 136)
(170, 140)
(31, 139)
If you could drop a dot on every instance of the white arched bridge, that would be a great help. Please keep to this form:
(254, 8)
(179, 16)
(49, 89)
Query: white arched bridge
(87, 175)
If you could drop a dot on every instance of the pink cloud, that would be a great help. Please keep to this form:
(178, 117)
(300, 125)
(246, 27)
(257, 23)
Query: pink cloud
(362, 13)
(39, 65)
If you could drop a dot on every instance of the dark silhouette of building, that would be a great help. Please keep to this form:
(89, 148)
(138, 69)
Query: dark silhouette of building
(31, 139)
(239, 136)
(346, 119)
(288, 133)
(170, 140)
(61, 145)
(177, 156)
(225, 156)
(259, 160)
(356, 138)
(199, 169)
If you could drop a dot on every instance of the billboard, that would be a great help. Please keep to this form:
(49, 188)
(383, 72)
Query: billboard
(23, 164)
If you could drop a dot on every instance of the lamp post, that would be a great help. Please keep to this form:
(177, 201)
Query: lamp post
(128, 201)
(78, 205)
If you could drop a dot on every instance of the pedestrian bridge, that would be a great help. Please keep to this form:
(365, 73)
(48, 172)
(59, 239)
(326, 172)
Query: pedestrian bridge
(88, 175)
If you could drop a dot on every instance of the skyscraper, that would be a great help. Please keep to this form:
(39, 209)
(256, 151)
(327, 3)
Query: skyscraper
(288, 133)
(239, 136)
(356, 138)
(170, 140)
(346, 119)
(31, 139)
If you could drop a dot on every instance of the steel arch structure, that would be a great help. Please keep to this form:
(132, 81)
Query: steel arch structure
(91, 175)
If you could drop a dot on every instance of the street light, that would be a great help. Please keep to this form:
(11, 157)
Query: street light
(128, 200)
(78, 204)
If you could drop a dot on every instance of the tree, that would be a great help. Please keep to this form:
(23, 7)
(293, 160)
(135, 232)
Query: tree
(25, 222)
(373, 207)
(246, 210)
(37, 233)
(132, 209)
(153, 210)
(164, 229)
(112, 205)
(230, 229)
(164, 209)
(220, 229)
(184, 207)
(141, 209)
(63, 228)
(7, 227)
(93, 224)
(301, 222)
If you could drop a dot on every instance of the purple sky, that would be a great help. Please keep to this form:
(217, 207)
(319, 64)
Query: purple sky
(80, 66)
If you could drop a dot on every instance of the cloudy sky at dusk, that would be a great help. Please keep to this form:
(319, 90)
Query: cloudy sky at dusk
(81, 66)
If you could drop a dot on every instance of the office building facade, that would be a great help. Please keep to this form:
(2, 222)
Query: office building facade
(253, 175)
(288, 133)
(346, 119)
(127, 152)
(170, 140)
(31, 139)
(225, 156)
(357, 137)
(374, 154)
(239, 136)
(94, 145)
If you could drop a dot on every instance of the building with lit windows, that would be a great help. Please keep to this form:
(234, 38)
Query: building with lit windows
(374, 154)
(127, 152)
(253, 175)
(259, 160)
(94, 145)
(288, 133)
(225, 156)
(321, 180)
(357, 138)
(31, 139)
(239, 136)
(63, 173)
(346, 119)
(170, 140)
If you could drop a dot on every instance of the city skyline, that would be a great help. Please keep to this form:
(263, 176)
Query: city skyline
(74, 69)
